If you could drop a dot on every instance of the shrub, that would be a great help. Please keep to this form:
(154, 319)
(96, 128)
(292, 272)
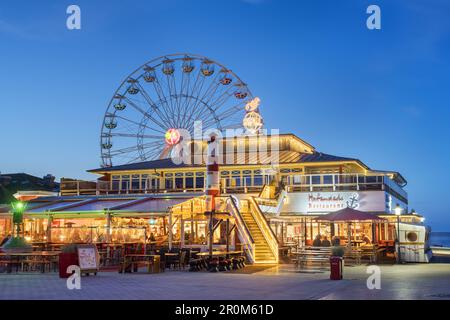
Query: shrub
(16, 242)
(337, 251)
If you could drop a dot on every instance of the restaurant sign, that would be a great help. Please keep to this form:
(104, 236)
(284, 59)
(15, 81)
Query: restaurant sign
(331, 202)
(324, 202)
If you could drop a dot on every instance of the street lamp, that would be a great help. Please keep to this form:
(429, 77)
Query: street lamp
(398, 211)
(18, 209)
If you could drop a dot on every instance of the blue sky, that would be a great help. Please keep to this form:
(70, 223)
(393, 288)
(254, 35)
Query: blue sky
(381, 96)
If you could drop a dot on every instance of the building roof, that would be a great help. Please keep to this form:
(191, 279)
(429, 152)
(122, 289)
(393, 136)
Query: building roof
(239, 159)
(323, 157)
(291, 149)
(145, 165)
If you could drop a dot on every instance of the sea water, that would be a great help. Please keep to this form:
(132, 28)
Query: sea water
(441, 239)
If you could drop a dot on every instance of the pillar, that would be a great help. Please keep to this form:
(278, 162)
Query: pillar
(170, 230)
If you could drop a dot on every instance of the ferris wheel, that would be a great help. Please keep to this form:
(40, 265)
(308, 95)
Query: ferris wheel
(170, 93)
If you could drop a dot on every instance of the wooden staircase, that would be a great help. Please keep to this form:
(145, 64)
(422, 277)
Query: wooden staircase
(259, 228)
(257, 238)
(263, 253)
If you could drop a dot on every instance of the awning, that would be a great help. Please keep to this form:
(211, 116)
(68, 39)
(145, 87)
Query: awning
(98, 207)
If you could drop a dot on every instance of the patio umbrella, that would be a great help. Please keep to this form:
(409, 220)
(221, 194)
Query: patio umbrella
(349, 215)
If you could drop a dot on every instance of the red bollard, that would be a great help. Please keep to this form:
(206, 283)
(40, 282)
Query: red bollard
(336, 268)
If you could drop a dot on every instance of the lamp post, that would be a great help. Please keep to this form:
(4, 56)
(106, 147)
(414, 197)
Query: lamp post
(18, 209)
(398, 211)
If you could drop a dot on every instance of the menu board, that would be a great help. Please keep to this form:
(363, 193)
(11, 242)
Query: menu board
(88, 258)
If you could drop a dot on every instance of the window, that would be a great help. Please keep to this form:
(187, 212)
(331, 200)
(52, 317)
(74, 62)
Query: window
(315, 179)
(135, 182)
(189, 183)
(115, 183)
(155, 184)
(199, 182)
(178, 183)
(258, 180)
(247, 180)
(169, 183)
(236, 181)
(328, 179)
(125, 182)
(371, 179)
(297, 179)
(236, 178)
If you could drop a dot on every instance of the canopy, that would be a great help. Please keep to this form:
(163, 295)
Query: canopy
(349, 214)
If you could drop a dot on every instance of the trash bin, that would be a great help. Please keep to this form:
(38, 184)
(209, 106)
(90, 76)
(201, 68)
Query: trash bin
(336, 268)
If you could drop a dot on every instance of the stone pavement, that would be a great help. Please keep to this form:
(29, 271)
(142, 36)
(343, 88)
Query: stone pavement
(421, 281)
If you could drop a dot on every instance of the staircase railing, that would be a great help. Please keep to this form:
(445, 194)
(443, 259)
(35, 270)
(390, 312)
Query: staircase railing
(243, 232)
(264, 226)
(272, 206)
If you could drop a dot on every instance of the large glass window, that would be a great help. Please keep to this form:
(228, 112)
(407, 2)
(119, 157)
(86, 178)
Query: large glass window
(371, 179)
(247, 180)
(178, 183)
(169, 183)
(315, 179)
(135, 184)
(236, 181)
(236, 178)
(200, 182)
(328, 179)
(189, 182)
(115, 183)
(125, 182)
(258, 180)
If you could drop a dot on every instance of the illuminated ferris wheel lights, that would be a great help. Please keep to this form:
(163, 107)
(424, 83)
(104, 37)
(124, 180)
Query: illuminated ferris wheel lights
(252, 105)
(253, 122)
(172, 136)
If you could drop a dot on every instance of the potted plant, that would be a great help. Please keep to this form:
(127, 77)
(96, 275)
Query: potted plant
(337, 251)
(67, 257)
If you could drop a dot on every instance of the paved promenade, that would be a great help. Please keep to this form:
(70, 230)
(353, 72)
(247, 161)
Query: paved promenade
(431, 281)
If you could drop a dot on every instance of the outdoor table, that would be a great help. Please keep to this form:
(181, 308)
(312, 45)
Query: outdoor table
(171, 254)
(219, 253)
(131, 259)
(39, 257)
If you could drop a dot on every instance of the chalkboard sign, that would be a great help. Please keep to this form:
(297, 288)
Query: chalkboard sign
(88, 258)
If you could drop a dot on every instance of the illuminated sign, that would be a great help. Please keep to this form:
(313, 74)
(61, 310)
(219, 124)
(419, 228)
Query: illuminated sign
(325, 202)
(333, 201)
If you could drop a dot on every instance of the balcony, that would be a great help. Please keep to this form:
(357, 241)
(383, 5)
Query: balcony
(247, 184)
(344, 182)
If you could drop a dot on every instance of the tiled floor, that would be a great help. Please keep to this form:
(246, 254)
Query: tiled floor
(431, 281)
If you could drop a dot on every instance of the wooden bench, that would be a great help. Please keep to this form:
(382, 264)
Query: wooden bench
(313, 256)
(131, 263)
(352, 257)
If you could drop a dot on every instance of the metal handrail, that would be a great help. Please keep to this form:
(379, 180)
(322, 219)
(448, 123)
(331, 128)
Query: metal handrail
(243, 228)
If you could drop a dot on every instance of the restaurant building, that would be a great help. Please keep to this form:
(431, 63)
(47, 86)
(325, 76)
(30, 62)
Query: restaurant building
(268, 201)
